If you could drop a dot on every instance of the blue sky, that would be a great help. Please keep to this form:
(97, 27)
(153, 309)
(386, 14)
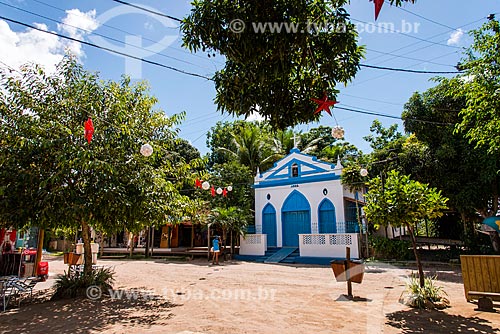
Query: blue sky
(427, 36)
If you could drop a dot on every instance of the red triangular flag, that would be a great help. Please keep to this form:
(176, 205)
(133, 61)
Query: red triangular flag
(197, 183)
(212, 191)
(378, 7)
(224, 192)
(89, 129)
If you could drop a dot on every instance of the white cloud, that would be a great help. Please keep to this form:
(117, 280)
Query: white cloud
(77, 24)
(455, 37)
(30, 45)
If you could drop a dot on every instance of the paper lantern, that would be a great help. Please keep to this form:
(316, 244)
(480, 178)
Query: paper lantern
(338, 132)
(205, 185)
(229, 188)
(146, 150)
(363, 172)
(219, 190)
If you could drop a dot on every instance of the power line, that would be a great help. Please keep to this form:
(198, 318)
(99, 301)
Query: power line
(129, 33)
(107, 49)
(148, 10)
(424, 18)
(407, 70)
(424, 47)
(405, 34)
(97, 34)
(374, 113)
(409, 58)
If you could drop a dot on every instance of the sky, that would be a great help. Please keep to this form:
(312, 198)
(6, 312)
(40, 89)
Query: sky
(425, 36)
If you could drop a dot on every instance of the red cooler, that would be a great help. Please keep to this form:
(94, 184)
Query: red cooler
(43, 269)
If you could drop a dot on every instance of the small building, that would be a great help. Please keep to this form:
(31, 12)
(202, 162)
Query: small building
(301, 203)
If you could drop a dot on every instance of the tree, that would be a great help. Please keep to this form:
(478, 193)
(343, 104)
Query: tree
(51, 177)
(466, 173)
(275, 73)
(251, 147)
(481, 85)
(401, 201)
(352, 178)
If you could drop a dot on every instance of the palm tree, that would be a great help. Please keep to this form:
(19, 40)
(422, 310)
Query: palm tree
(252, 148)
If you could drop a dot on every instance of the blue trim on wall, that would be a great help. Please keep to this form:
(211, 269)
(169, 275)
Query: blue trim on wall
(296, 151)
(297, 180)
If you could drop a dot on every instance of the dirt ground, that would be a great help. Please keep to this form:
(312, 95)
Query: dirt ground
(168, 296)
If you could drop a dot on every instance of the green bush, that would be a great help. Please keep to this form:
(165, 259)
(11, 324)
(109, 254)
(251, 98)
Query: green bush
(76, 285)
(391, 249)
(429, 296)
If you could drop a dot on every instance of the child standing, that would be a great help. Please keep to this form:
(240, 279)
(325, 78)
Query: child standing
(216, 249)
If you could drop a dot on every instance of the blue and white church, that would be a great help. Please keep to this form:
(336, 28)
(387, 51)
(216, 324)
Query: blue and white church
(301, 203)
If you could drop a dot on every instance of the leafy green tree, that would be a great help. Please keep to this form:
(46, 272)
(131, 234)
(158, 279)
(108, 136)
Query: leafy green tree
(481, 85)
(51, 177)
(275, 73)
(401, 201)
(466, 174)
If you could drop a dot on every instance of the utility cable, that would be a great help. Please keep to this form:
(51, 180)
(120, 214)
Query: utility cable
(107, 49)
(147, 10)
(97, 34)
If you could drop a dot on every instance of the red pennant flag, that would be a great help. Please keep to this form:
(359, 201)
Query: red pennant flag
(212, 190)
(378, 7)
(197, 183)
(89, 129)
(224, 192)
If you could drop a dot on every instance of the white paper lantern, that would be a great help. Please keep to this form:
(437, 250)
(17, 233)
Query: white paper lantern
(205, 185)
(363, 172)
(338, 132)
(219, 190)
(229, 188)
(146, 150)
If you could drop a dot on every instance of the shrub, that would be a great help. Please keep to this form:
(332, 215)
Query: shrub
(385, 248)
(429, 296)
(71, 286)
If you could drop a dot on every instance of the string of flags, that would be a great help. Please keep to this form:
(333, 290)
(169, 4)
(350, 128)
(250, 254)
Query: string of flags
(205, 185)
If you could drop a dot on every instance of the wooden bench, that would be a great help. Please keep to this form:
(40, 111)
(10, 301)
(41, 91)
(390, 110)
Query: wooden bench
(481, 276)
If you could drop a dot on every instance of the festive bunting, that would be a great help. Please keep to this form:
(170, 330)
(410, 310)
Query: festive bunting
(197, 183)
(378, 7)
(212, 191)
(324, 104)
(89, 129)
(224, 192)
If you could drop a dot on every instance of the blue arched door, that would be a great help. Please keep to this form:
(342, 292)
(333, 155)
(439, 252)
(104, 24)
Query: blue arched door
(269, 224)
(326, 217)
(296, 218)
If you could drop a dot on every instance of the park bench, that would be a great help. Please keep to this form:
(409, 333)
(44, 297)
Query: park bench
(481, 276)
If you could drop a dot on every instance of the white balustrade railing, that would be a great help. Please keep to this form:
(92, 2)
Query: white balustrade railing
(329, 245)
(253, 244)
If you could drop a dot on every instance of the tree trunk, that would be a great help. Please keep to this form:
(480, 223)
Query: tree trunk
(360, 226)
(41, 233)
(146, 246)
(131, 239)
(417, 258)
(87, 268)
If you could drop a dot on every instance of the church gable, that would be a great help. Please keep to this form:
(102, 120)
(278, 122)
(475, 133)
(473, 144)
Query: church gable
(298, 168)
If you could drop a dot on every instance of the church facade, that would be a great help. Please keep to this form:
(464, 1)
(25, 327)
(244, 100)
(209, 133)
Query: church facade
(301, 202)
